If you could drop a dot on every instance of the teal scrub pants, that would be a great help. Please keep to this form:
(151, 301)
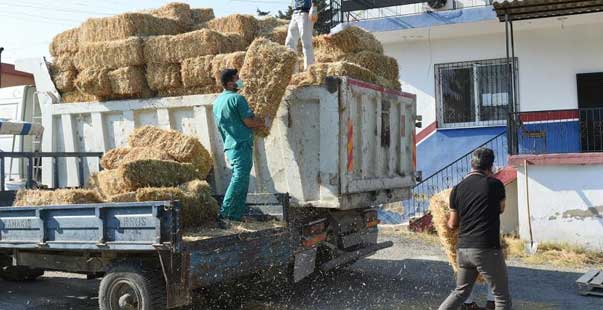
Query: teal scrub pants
(240, 159)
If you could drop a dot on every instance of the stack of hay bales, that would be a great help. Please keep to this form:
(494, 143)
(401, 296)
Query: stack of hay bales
(160, 165)
(352, 52)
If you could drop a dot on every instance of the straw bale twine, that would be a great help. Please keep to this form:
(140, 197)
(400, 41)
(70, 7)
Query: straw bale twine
(245, 25)
(66, 42)
(163, 76)
(26, 197)
(127, 25)
(110, 55)
(121, 155)
(182, 148)
(177, 48)
(267, 70)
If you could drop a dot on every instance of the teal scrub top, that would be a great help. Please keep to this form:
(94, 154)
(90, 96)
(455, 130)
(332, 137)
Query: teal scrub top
(230, 109)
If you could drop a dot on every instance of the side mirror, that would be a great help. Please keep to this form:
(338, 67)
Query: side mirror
(419, 121)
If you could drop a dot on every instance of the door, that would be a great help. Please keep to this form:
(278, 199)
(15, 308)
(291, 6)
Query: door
(590, 102)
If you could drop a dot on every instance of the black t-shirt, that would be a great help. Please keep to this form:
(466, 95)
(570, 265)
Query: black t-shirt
(477, 200)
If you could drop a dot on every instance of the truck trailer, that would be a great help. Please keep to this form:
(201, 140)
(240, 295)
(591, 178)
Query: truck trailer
(335, 151)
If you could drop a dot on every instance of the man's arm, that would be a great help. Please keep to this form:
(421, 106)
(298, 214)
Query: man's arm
(453, 220)
(254, 122)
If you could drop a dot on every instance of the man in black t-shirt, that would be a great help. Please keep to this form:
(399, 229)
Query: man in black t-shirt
(476, 204)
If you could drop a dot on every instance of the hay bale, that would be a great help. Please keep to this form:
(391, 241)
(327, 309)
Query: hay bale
(189, 208)
(180, 12)
(175, 49)
(267, 70)
(111, 182)
(128, 82)
(350, 40)
(66, 42)
(125, 197)
(226, 61)
(245, 25)
(316, 73)
(94, 82)
(121, 155)
(267, 24)
(57, 197)
(197, 71)
(184, 91)
(202, 193)
(110, 55)
(127, 25)
(133, 175)
(201, 16)
(163, 76)
(77, 96)
(152, 172)
(64, 81)
(439, 205)
(182, 148)
(381, 65)
(62, 63)
(279, 35)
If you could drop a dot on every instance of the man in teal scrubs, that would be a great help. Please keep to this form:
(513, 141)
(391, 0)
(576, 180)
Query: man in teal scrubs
(235, 121)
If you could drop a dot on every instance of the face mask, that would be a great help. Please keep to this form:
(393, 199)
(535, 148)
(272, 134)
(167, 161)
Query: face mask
(240, 84)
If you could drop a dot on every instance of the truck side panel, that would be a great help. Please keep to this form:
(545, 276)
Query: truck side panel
(229, 258)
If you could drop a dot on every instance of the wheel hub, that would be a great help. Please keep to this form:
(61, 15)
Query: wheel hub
(125, 296)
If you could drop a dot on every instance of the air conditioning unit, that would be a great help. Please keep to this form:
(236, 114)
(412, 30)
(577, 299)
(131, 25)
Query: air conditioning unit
(438, 5)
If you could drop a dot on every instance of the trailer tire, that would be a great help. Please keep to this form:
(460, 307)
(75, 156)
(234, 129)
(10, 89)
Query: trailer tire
(128, 284)
(20, 273)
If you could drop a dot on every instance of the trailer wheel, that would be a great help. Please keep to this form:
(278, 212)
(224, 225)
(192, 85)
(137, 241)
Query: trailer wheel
(20, 273)
(130, 287)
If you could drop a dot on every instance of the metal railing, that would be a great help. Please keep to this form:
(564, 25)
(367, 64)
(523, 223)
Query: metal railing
(32, 157)
(414, 9)
(451, 175)
(556, 131)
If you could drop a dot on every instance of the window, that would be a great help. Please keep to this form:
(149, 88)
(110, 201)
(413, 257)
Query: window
(475, 93)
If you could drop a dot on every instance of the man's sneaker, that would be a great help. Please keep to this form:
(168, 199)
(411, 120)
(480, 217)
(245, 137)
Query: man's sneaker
(471, 306)
(490, 305)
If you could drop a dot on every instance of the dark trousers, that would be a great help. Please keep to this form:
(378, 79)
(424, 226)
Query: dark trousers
(490, 263)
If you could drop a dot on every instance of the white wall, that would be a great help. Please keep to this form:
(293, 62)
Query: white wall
(549, 58)
(566, 204)
(509, 220)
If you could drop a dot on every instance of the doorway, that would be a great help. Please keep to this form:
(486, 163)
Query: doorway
(590, 103)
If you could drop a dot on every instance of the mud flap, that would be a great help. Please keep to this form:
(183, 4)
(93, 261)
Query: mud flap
(305, 263)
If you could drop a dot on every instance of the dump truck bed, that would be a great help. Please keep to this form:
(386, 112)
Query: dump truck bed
(345, 145)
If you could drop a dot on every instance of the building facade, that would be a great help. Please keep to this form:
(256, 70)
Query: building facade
(458, 63)
(11, 77)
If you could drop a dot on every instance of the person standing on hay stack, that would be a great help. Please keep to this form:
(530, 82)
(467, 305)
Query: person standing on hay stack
(305, 14)
(235, 122)
(476, 204)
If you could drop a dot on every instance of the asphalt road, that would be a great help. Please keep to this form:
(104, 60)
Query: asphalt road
(411, 275)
